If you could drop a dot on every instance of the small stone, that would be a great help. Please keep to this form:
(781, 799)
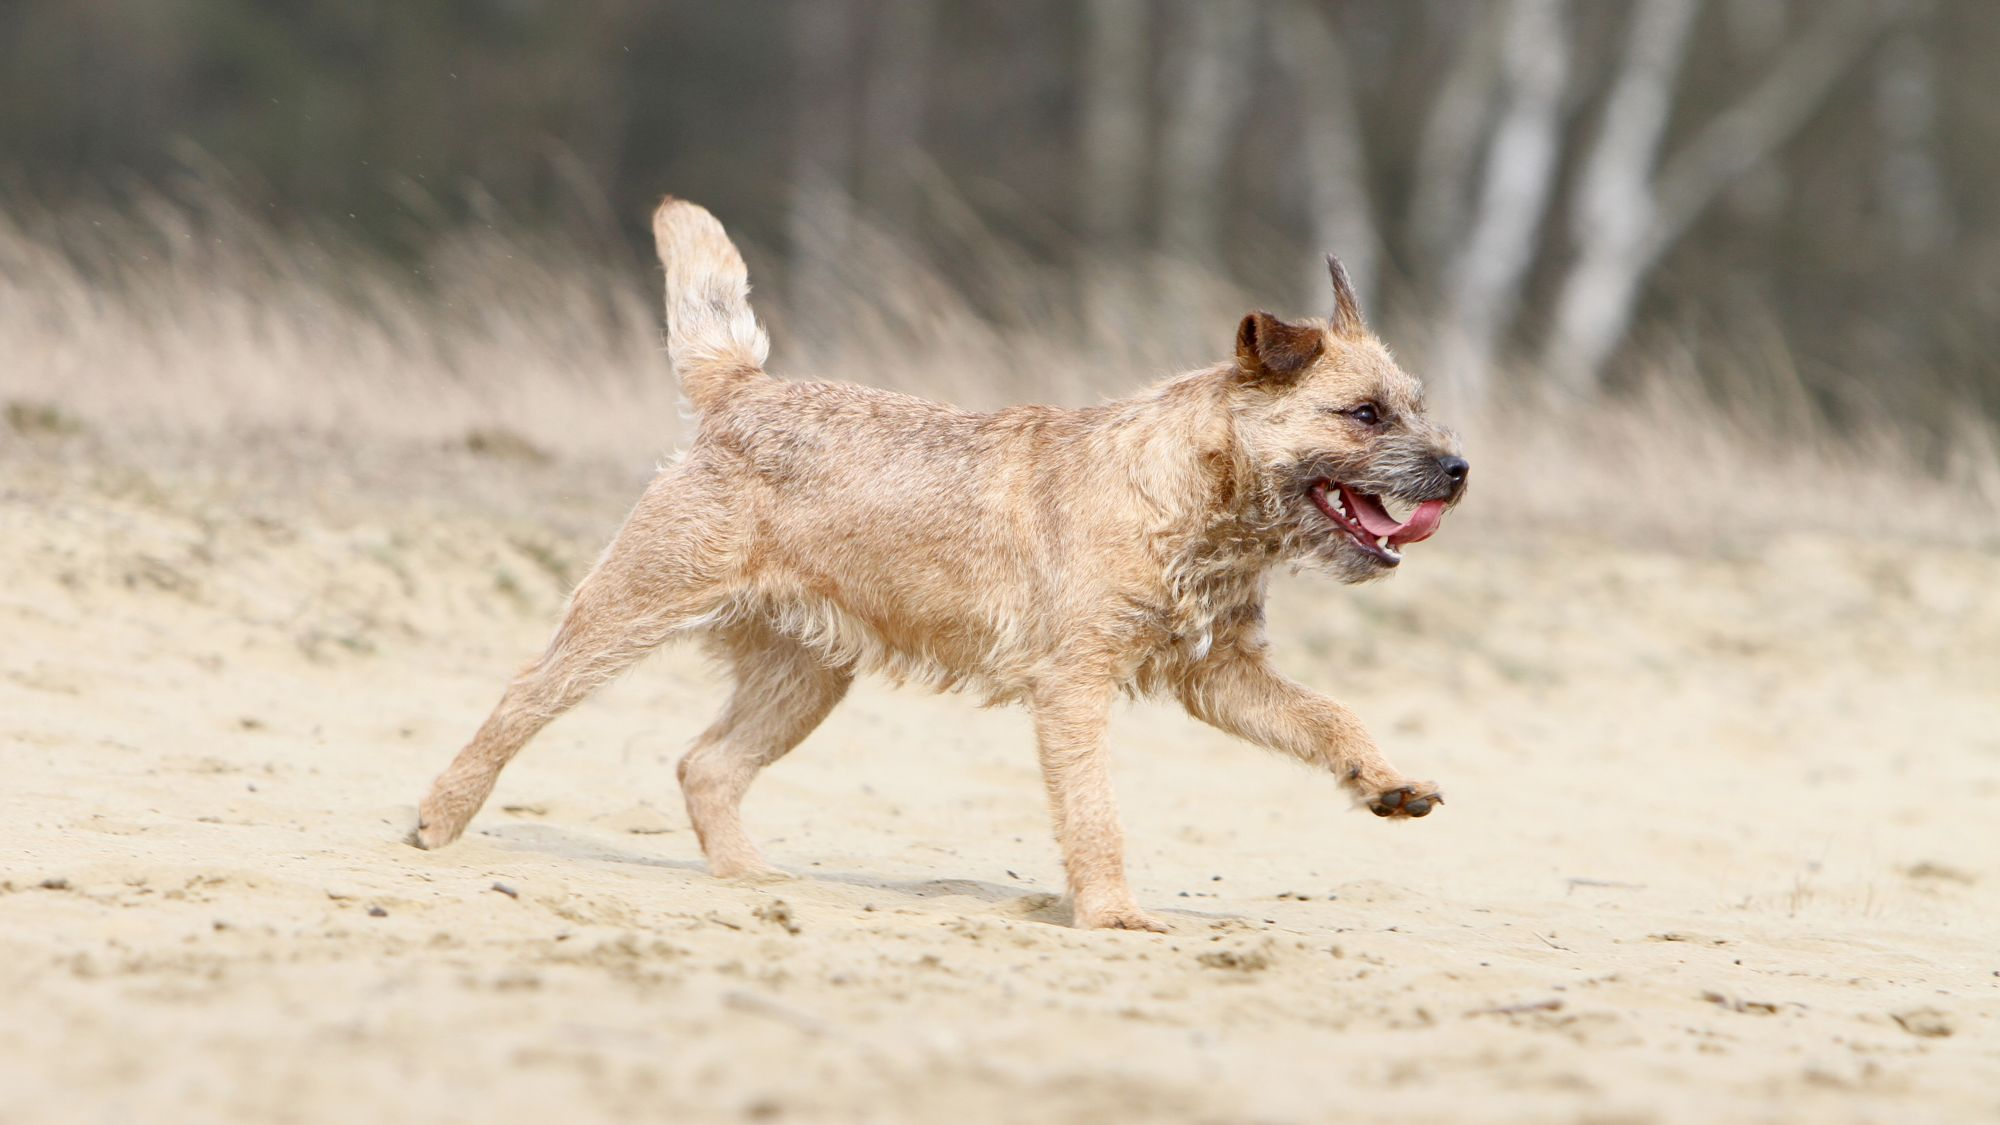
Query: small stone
(1925, 1023)
(778, 914)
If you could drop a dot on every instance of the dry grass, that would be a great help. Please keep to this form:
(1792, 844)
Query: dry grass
(198, 321)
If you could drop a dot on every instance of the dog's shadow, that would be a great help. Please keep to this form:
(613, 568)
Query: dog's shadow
(560, 843)
(1018, 901)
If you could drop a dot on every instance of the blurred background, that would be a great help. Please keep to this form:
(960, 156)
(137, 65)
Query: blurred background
(1777, 208)
(331, 356)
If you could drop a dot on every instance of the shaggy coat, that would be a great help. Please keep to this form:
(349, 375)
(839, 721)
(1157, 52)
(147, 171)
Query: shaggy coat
(1053, 557)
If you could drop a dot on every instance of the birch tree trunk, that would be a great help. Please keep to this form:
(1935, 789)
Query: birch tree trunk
(1614, 207)
(1595, 303)
(1332, 158)
(1448, 148)
(1911, 181)
(892, 108)
(1112, 136)
(1212, 71)
(821, 218)
(1483, 287)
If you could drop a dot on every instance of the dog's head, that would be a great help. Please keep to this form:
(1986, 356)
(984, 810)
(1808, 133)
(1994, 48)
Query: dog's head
(1336, 436)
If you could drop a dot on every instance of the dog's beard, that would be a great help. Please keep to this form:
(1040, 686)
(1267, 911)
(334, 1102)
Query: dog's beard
(1316, 543)
(1280, 513)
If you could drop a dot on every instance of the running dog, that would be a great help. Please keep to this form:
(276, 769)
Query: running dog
(1053, 557)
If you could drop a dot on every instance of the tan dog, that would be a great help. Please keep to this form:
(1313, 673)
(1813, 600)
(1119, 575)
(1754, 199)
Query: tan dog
(1057, 557)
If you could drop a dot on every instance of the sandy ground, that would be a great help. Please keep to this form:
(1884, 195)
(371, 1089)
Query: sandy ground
(1723, 841)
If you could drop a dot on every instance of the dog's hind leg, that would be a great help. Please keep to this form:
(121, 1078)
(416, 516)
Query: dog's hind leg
(669, 570)
(783, 690)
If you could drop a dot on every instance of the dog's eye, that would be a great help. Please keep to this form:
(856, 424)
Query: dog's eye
(1366, 414)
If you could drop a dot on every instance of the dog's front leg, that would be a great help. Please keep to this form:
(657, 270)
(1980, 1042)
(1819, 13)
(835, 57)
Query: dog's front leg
(1237, 690)
(1069, 729)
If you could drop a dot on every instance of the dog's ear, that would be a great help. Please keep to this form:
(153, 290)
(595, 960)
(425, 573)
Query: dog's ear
(1346, 319)
(1270, 351)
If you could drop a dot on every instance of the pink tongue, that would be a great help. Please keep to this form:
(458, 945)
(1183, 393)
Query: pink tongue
(1422, 524)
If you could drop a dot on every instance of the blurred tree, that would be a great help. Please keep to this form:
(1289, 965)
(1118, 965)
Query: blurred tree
(1332, 158)
(1627, 219)
(1213, 63)
(825, 70)
(893, 108)
(1114, 139)
(1520, 178)
(1483, 283)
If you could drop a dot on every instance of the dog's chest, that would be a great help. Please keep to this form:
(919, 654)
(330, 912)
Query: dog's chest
(1209, 583)
(1202, 604)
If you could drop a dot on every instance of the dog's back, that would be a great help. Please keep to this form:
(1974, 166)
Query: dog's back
(924, 540)
(897, 533)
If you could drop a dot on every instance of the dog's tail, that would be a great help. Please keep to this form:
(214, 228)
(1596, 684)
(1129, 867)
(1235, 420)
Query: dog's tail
(713, 338)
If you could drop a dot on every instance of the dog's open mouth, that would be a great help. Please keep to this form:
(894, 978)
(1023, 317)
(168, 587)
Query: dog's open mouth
(1370, 525)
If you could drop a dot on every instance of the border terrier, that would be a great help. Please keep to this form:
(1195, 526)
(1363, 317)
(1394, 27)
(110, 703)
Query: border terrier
(1053, 557)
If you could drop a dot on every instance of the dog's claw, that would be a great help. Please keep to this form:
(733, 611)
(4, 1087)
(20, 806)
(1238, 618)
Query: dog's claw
(1404, 801)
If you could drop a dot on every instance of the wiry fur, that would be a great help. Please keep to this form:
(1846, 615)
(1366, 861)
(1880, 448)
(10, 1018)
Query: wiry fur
(1055, 557)
(713, 338)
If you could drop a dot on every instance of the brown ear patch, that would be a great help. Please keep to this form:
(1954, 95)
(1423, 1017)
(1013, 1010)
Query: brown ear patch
(1270, 350)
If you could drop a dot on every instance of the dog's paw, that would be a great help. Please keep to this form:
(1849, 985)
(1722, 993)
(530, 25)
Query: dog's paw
(435, 830)
(1413, 799)
(1121, 918)
(741, 863)
(755, 875)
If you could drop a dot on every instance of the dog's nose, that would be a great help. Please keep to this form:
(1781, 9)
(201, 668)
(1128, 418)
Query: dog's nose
(1455, 467)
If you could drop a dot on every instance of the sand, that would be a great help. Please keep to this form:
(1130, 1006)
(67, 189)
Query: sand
(1722, 840)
